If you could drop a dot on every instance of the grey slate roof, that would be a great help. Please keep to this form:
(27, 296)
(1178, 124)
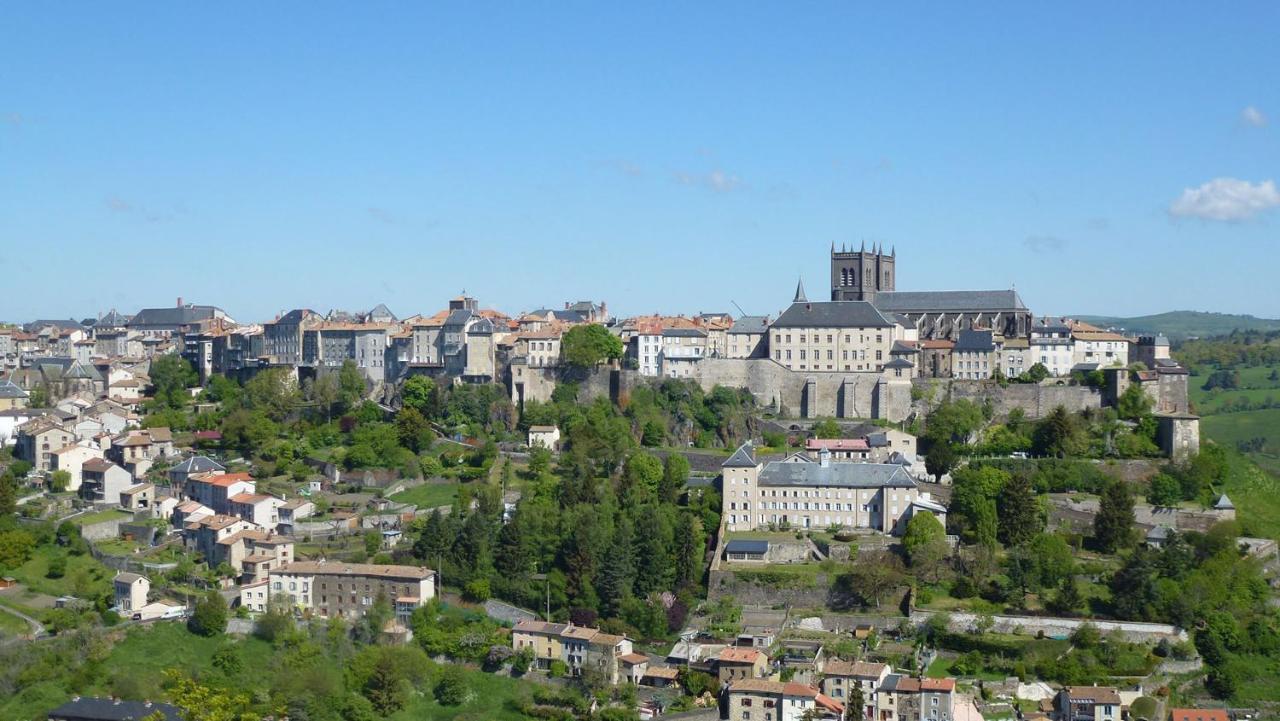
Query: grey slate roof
(920, 301)
(198, 464)
(974, 341)
(172, 316)
(9, 389)
(844, 475)
(68, 324)
(899, 363)
(742, 545)
(750, 324)
(832, 314)
(381, 311)
(111, 320)
(484, 326)
(744, 457)
(568, 316)
(295, 316)
(684, 332)
(1224, 503)
(105, 709)
(458, 317)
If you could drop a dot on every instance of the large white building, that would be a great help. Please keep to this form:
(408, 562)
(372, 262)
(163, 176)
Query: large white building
(1096, 347)
(835, 336)
(1052, 347)
(801, 493)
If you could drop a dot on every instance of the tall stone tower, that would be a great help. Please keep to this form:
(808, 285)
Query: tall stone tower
(860, 274)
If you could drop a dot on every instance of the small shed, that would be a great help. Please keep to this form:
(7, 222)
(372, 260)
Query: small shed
(742, 549)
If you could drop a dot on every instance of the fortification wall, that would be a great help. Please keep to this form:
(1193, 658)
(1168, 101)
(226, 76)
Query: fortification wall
(1036, 401)
(809, 395)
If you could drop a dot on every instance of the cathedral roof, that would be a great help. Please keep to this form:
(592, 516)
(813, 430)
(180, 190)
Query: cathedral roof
(949, 300)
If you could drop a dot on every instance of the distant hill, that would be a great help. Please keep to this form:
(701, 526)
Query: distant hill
(1180, 324)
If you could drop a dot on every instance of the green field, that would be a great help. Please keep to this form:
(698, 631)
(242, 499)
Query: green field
(107, 515)
(428, 495)
(492, 697)
(84, 576)
(1256, 387)
(1254, 489)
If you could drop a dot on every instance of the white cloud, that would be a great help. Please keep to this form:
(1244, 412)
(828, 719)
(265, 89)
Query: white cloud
(1253, 116)
(1044, 243)
(716, 180)
(1228, 199)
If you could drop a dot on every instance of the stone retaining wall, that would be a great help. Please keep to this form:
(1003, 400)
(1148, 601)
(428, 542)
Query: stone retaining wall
(1053, 626)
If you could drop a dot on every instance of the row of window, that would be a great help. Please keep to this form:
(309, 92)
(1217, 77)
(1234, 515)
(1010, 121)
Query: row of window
(804, 506)
(848, 338)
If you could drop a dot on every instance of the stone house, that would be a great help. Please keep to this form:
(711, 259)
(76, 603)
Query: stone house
(748, 337)
(39, 439)
(974, 355)
(140, 497)
(757, 699)
(1088, 703)
(349, 590)
(935, 357)
(736, 663)
(1052, 346)
(130, 590)
(102, 481)
(72, 459)
(840, 678)
(193, 466)
(12, 396)
(215, 490)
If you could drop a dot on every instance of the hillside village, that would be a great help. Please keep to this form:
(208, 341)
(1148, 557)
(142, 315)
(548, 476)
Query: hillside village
(886, 505)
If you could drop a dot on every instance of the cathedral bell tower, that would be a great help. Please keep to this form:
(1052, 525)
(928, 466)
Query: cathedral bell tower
(861, 274)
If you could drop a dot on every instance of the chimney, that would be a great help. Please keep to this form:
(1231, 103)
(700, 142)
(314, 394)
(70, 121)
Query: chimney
(824, 458)
(179, 301)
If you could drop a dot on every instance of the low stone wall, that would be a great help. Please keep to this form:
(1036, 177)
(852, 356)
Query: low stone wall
(1053, 626)
(1036, 401)
(746, 588)
(103, 530)
(1064, 510)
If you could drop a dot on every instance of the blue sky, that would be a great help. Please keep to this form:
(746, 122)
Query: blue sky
(1105, 158)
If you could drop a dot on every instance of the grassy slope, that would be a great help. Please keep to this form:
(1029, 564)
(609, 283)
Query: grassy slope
(1185, 323)
(428, 495)
(1255, 386)
(146, 651)
(84, 575)
(1253, 482)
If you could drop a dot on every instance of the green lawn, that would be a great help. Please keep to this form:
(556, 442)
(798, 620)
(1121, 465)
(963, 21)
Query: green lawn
(428, 495)
(1255, 387)
(492, 697)
(84, 576)
(107, 515)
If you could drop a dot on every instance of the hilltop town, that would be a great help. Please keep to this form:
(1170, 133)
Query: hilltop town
(877, 504)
